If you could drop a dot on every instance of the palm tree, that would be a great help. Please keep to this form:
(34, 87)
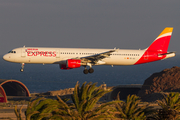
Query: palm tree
(18, 112)
(64, 111)
(170, 107)
(85, 99)
(85, 106)
(130, 110)
(40, 108)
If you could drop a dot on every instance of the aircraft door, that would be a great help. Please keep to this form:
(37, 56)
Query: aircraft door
(57, 53)
(23, 52)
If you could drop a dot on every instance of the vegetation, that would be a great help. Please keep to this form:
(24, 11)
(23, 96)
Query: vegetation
(85, 104)
(85, 99)
(18, 112)
(130, 110)
(85, 107)
(170, 107)
(12, 103)
(41, 108)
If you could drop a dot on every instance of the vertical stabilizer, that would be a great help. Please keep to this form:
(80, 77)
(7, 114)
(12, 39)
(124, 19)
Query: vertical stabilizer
(161, 43)
(158, 49)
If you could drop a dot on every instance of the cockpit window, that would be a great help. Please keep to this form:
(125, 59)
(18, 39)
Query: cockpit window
(12, 52)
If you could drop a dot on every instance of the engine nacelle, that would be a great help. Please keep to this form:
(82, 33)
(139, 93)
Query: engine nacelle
(63, 67)
(71, 63)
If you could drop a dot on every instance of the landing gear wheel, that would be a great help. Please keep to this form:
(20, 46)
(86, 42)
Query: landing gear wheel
(85, 71)
(91, 70)
(21, 70)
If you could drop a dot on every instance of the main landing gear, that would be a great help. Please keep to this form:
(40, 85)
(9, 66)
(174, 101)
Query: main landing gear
(22, 67)
(86, 71)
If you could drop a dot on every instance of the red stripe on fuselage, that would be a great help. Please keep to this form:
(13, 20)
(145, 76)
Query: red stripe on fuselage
(150, 57)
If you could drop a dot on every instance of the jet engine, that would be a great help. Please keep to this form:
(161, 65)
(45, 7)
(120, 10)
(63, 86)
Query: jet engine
(70, 63)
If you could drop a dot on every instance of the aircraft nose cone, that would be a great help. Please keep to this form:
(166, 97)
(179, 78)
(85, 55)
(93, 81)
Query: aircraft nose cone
(5, 57)
(9, 58)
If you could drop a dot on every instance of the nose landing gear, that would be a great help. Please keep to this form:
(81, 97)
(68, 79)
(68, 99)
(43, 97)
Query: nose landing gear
(22, 67)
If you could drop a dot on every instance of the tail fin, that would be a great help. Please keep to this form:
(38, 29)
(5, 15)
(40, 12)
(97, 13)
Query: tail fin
(161, 43)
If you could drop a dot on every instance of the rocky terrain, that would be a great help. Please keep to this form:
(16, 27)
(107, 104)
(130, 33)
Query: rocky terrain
(167, 80)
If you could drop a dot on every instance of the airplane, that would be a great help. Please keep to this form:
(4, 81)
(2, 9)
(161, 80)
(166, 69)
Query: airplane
(69, 58)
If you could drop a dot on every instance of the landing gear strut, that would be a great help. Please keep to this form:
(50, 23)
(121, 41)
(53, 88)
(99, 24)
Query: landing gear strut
(22, 67)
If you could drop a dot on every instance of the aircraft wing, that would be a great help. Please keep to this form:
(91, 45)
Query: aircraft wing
(93, 59)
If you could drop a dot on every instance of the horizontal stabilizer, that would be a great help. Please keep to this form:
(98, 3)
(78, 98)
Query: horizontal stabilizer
(167, 53)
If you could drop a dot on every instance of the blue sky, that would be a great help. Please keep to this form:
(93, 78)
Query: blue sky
(87, 24)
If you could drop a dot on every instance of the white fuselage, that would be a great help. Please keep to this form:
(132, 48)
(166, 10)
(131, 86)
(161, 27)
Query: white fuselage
(58, 55)
(69, 58)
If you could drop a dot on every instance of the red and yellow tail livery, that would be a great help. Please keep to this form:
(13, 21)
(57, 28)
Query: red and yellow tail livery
(158, 49)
